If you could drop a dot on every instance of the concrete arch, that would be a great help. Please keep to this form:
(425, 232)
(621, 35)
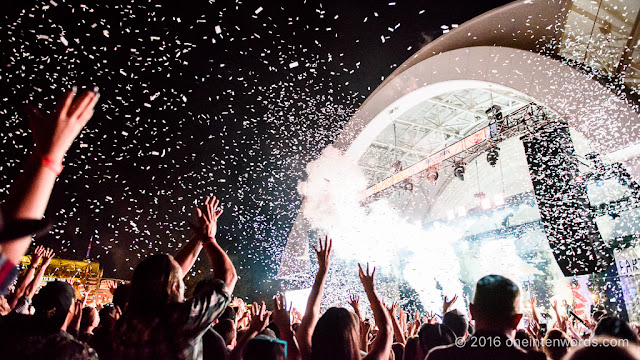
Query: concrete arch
(584, 103)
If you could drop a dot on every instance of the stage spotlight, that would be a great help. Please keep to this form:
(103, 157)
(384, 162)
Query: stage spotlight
(458, 170)
(498, 200)
(485, 204)
(492, 155)
(494, 112)
(432, 175)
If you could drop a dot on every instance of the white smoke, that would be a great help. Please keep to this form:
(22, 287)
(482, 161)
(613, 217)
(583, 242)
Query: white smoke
(376, 233)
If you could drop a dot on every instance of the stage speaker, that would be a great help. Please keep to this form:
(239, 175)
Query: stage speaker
(561, 195)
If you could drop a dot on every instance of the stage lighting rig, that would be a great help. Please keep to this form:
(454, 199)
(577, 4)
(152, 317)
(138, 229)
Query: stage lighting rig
(458, 170)
(492, 156)
(432, 175)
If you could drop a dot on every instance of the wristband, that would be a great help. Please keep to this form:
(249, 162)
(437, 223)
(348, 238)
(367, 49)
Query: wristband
(208, 240)
(56, 167)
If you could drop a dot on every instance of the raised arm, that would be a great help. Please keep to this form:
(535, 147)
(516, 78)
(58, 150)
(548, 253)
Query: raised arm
(397, 330)
(53, 135)
(259, 321)
(25, 280)
(282, 319)
(311, 315)
(207, 227)
(188, 254)
(33, 285)
(381, 346)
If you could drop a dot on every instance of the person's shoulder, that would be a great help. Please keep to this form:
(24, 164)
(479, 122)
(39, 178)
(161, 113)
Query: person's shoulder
(442, 352)
(536, 355)
(75, 349)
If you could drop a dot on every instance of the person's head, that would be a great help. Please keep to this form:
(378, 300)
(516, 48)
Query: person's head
(398, 350)
(89, 320)
(227, 329)
(524, 340)
(55, 304)
(121, 296)
(432, 335)
(496, 305)
(264, 347)
(412, 349)
(336, 336)
(555, 344)
(615, 327)
(457, 322)
(601, 348)
(157, 281)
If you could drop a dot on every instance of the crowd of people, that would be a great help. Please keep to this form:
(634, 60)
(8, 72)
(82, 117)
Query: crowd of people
(150, 318)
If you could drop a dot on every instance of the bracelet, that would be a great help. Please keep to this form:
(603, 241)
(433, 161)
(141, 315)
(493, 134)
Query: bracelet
(209, 240)
(56, 167)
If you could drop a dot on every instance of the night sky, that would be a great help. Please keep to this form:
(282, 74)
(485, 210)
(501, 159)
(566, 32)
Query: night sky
(197, 97)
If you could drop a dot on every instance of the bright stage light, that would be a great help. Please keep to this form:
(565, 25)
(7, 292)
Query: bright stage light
(486, 204)
(498, 200)
(298, 298)
(461, 211)
(451, 215)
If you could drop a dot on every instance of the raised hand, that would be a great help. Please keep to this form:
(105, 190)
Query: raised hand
(47, 255)
(402, 317)
(446, 303)
(354, 301)
(367, 279)
(393, 309)
(259, 317)
(296, 316)
(416, 315)
(37, 255)
(54, 133)
(281, 315)
(323, 251)
(208, 218)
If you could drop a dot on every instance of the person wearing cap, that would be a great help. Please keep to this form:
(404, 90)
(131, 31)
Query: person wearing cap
(22, 213)
(43, 335)
(497, 311)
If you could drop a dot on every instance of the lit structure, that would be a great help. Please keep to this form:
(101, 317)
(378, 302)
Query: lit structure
(543, 52)
(85, 276)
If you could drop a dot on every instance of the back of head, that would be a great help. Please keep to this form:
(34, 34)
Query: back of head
(89, 318)
(556, 344)
(151, 286)
(411, 348)
(265, 348)
(456, 322)
(432, 335)
(598, 351)
(121, 296)
(495, 302)
(336, 336)
(398, 350)
(53, 302)
(227, 329)
(524, 339)
(615, 327)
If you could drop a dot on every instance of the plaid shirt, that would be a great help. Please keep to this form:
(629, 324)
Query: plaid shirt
(177, 331)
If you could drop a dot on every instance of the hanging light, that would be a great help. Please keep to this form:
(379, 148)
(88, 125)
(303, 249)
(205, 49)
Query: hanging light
(492, 156)
(432, 175)
(459, 170)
